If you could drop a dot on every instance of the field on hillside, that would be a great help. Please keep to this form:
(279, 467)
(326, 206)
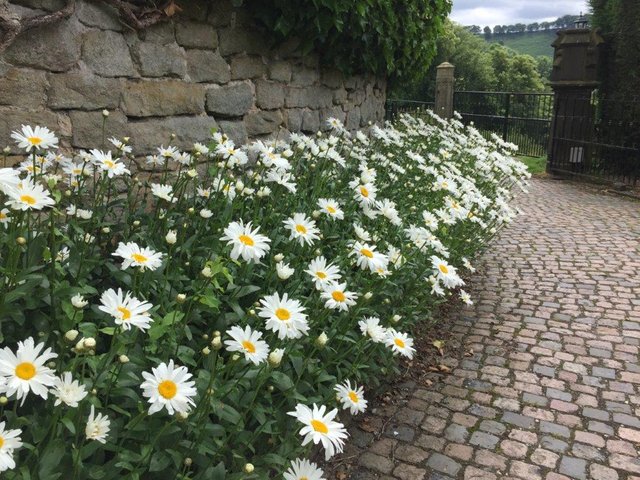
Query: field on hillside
(532, 43)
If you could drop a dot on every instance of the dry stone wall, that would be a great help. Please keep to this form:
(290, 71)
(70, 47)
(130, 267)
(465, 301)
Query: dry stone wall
(208, 68)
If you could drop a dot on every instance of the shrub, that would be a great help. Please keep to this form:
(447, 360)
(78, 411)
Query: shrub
(204, 317)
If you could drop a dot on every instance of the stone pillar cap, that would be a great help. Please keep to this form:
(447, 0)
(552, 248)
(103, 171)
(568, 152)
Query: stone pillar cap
(445, 65)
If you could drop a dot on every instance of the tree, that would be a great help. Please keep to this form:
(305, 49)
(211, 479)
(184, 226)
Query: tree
(474, 29)
(497, 30)
(487, 32)
(533, 27)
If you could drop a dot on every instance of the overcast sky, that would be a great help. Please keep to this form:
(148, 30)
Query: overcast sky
(508, 12)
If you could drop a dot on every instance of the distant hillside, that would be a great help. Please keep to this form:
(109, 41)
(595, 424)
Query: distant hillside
(532, 43)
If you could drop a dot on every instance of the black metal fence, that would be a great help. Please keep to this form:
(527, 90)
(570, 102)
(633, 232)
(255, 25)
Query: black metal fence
(520, 118)
(596, 137)
(394, 107)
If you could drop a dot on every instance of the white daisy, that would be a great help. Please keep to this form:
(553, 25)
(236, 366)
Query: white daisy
(112, 166)
(126, 309)
(446, 273)
(370, 327)
(284, 315)
(465, 297)
(248, 342)
(351, 398)
(337, 297)
(368, 258)
(5, 218)
(38, 138)
(303, 469)
(9, 442)
(29, 196)
(320, 427)
(331, 208)
(321, 273)
(25, 370)
(163, 191)
(67, 390)
(9, 179)
(247, 243)
(302, 229)
(284, 270)
(97, 427)
(365, 193)
(168, 386)
(137, 256)
(400, 343)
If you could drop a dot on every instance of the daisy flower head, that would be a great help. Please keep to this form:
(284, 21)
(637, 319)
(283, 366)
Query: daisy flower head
(465, 297)
(365, 193)
(445, 273)
(25, 370)
(370, 327)
(38, 138)
(164, 192)
(248, 342)
(303, 469)
(9, 179)
(168, 386)
(67, 390)
(320, 427)
(98, 426)
(284, 270)
(113, 166)
(321, 273)
(137, 256)
(367, 257)
(302, 229)
(285, 316)
(126, 309)
(29, 196)
(351, 398)
(122, 146)
(247, 242)
(5, 218)
(168, 153)
(331, 208)
(337, 297)
(9, 442)
(400, 343)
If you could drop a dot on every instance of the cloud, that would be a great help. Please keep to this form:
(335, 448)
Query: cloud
(508, 12)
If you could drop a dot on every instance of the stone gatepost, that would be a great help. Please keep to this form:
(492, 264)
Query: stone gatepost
(573, 80)
(444, 90)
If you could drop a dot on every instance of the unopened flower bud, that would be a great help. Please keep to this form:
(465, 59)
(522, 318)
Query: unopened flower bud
(315, 214)
(252, 312)
(136, 223)
(216, 343)
(275, 357)
(182, 415)
(192, 173)
(89, 342)
(187, 462)
(71, 335)
(387, 301)
(181, 298)
(206, 351)
(21, 241)
(248, 468)
(396, 318)
(235, 357)
(216, 333)
(206, 272)
(279, 257)
(6, 149)
(106, 230)
(322, 339)
(78, 302)
(171, 237)
(123, 359)
(105, 113)
(270, 388)
(173, 135)
(3, 400)
(368, 295)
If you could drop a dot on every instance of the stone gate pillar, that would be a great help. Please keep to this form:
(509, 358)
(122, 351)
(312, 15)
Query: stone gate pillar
(573, 80)
(444, 90)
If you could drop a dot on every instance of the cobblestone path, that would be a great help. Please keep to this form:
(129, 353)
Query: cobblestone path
(552, 388)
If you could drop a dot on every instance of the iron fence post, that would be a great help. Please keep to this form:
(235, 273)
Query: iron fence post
(507, 107)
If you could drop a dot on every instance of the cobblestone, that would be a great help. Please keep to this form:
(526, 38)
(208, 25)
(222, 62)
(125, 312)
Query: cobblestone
(551, 389)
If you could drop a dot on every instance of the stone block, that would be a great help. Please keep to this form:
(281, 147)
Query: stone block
(293, 119)
(55, 47)
(100, 15)
(197, 35)
(312, 97)
(280, 71)
(232, 100)
(339, 96)
(304, 77)
(310, 121)
(332, 78)
(87, 128)
(269, 95)
(235, 130)
(243, 67)
(23, 88)
(353, 119)
(147, 135)
(47, 5)
(83, 91)
(207, 66)
(236, 40)
(196, 9)
(263, 122)
(107, 54)
(156, 60)
(162, 98)
(162, 33)
(12, 119)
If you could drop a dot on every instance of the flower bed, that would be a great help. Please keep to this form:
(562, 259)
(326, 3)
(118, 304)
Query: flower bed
(214, 318)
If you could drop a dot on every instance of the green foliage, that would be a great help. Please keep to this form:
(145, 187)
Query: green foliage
(535, 165)
(385, 37)
(530, 43)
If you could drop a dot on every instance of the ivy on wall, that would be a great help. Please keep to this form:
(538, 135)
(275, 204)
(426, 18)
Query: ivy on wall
(396, 38)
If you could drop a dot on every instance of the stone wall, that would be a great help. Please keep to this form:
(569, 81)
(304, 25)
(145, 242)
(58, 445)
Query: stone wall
(210, 67)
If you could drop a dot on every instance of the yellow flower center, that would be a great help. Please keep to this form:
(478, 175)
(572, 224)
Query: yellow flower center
(139, 258)
(1, 442)
(319, 426)
(353, 396)
(109, 163)
(126, 313)
(283, 314)
(301, 229)
(338, 296)
(34, 140)
(249, 347)
(28, 199)
(321, 275)
(399, 342)
(367, 253)
(364, 192)
(3, 216)
(331, 210)
(247, 240)
(443, 268)
(167, 389)
(26, 370)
